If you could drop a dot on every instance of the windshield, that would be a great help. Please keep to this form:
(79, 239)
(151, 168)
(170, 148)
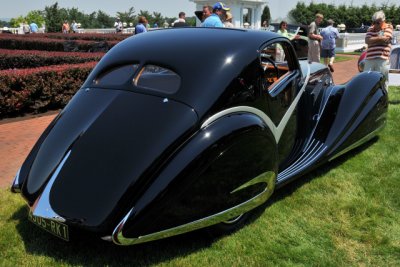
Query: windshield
(292, 29)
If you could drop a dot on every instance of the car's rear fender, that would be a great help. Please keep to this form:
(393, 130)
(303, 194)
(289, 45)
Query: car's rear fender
(209, 180)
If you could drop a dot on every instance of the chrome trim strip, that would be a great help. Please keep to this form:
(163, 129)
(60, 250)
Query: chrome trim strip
(299, 159)
(359, 142)
(225, 215)
(247, 109)
(302, 167)
(383, 116)
(117, 236)
(308, 158)
(276, 130)
(42, 207)
(16, 187)
(259, 179)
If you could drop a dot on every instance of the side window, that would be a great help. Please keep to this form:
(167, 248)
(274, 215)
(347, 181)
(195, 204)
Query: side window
(156, 78)
(274, 62)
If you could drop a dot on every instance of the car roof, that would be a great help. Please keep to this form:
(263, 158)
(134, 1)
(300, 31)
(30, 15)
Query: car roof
(206, 59)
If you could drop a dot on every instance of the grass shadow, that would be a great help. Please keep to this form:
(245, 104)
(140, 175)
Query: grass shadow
(88, 250)
(294, 185)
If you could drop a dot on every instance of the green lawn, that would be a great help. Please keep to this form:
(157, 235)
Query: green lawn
(339, 58)
(346, 213)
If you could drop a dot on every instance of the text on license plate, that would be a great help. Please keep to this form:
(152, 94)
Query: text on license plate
(56, 228)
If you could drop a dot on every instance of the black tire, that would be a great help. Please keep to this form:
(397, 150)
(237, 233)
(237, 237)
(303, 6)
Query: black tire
(230, 226)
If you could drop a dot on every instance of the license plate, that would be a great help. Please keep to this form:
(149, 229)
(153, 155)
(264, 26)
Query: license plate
(56, 228)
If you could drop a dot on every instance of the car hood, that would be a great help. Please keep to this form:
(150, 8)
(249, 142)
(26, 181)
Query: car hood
(115, 140)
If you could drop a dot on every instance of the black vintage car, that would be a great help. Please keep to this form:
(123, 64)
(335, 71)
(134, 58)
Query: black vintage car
(180, 129)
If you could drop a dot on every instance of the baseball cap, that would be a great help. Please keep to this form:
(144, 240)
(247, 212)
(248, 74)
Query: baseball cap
(220, 5)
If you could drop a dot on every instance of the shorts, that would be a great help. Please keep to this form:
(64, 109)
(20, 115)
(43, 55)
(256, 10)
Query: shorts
(327, 53)
(313, 51)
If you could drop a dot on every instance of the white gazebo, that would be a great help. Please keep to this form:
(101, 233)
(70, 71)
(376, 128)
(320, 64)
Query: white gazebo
(243, 12)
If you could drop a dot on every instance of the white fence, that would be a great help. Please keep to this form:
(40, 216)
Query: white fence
(348, 42)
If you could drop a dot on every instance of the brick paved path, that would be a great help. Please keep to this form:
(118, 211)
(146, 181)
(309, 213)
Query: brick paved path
(18, 137)
(16, 140)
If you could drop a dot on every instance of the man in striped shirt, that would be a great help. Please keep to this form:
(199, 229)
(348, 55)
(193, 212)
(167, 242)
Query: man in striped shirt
(378, 39)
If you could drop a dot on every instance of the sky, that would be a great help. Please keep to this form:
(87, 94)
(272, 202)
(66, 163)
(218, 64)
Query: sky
(168, 8)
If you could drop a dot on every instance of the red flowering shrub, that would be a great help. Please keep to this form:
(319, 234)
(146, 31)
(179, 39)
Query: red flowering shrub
(87, 36)
(35, 42)
(40, 89)
(19, 59)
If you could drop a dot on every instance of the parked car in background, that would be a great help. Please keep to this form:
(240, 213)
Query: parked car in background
(161, 139)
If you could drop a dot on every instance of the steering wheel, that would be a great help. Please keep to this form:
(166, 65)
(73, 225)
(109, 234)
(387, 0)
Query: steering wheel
(270, 61)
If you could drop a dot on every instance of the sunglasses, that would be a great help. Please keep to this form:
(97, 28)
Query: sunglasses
(377, 22)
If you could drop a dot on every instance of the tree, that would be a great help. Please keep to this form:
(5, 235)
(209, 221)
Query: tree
(157, 18)
(4, 23)
(191, 21)
(36, 16)
(351, 16)
(15, 22)
(146, 14)
(128, 16)
(266, 15)
(104, 20)
(33, 16)
(52, 16)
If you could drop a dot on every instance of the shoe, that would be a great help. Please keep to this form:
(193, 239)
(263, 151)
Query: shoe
(331, 67)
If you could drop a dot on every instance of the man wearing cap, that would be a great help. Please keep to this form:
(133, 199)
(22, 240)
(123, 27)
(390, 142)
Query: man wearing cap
(219, 10)
(328, 44)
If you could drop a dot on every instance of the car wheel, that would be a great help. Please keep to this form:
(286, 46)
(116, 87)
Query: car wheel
(230, 225)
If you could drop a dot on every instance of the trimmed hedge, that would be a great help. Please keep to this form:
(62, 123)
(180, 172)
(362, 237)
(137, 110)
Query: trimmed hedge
(23, 59)
(86, 36)
(32, 42)
(40, 89)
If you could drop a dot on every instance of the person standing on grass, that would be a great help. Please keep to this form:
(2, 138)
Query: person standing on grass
(314, 39)
(328, 44)
(378, 38)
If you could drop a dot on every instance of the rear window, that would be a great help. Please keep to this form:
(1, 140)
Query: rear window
(117, 76)
(159, 79)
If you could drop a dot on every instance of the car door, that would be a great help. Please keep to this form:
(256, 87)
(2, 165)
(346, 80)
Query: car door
(282, 87)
